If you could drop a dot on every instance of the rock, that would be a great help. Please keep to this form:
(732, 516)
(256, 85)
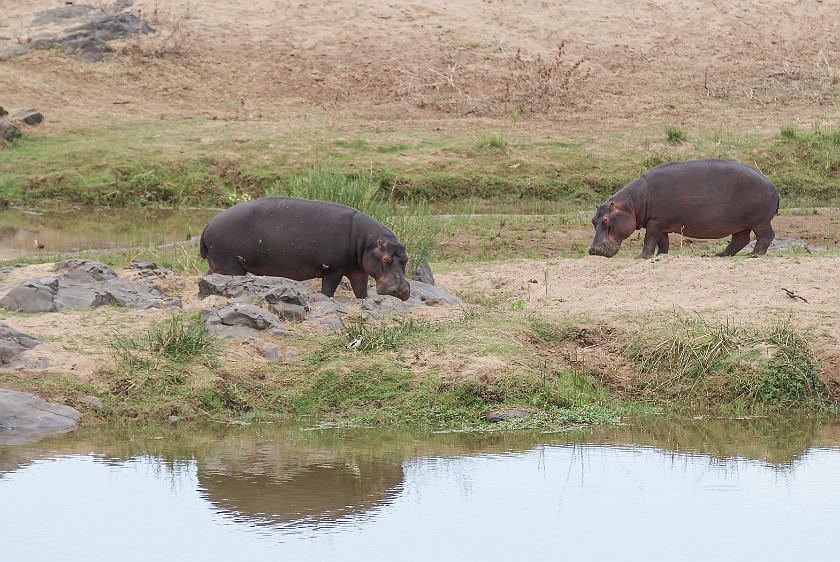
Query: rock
(219, 320)
(86, 271)
(423, 293)
(423, 273)
(84, 284)
(25, 418)
(12, 346)
(87, 42)
(497, 416)
(143, 265)
(271, 289)
(174, 419)
(36, 295)
(289, 312)
(8, 130)
(268, 351)
(29, 116)
(376, 307)
(92, 401)
(3, 111)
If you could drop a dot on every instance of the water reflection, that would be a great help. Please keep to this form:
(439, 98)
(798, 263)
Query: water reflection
(702, 489)
(75, 230)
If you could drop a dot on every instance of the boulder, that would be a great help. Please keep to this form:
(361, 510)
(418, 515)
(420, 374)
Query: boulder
(84, 284)
(13, 344)
(234, 320)
(25, 418)
(29, 116)
(8, 130)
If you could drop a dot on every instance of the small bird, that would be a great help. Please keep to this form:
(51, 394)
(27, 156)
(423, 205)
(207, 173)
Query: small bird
(355, 343)
(39, 245)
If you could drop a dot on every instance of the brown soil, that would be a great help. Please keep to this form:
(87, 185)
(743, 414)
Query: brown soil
(577, 66)
(574, 67)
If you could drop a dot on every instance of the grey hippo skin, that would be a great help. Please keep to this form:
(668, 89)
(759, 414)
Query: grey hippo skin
(300, 239)
(697, 198)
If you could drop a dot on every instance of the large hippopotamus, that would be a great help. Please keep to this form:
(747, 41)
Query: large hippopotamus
(697, 198)
(301, 239)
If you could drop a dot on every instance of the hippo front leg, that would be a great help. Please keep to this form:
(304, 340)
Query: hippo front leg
(663, 244)
(359, 282)
(653, 237)
(330, 281)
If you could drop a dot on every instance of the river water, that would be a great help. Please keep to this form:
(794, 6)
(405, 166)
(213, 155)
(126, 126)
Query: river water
(753, 489)
(75, 230)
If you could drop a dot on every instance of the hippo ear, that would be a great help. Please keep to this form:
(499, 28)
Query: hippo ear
(612, 205)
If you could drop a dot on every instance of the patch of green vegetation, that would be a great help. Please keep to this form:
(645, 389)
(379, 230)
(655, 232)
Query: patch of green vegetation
(692, 361)
(674, 134)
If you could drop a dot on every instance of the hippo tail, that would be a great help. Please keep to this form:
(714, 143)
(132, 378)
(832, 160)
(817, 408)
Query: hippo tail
(202, 245)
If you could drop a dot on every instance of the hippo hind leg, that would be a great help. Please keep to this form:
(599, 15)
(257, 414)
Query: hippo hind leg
(763, 238)
(738, 242)
(225, 267)
(663, 244)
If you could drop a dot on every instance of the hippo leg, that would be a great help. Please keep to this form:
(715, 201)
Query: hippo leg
(653, 237)
(330, 281)
(359, 282)
(763, 238)
(738, 242)
(225, 267)
(663, 244)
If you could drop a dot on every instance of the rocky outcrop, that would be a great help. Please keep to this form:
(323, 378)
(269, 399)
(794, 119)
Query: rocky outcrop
(25, 418)
(88, 39)
(83, 284)
(285, 301)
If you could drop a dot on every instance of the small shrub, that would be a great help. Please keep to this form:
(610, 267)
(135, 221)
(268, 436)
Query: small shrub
(674, 134)
(787, 132)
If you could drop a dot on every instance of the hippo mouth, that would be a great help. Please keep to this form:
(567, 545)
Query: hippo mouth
(401, 291)
(605, 249)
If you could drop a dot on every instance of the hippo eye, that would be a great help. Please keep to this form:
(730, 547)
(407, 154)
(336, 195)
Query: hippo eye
(386, 260)
(605, 221)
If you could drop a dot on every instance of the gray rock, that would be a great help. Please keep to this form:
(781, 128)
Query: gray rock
(423, 273)
(84, 284)
(267, 350)
(218, 319)
(85, 271)
(497, 416)
(92, 401)
(25, 418)
(12, 346)
(143, 265)
(376, 307)
(289, 312)
(36, 295)
(270, 289)
(8, 130)
(423, 293)
(29, 116)
(323, 325)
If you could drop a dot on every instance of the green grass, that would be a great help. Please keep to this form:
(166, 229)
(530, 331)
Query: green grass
(693, 361)
(204, 162)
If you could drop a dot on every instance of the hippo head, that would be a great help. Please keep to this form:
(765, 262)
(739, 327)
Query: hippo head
(385, 262)
(613, 221)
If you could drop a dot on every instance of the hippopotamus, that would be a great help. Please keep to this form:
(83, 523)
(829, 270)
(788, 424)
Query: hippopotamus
(697, 198)
(301, 239)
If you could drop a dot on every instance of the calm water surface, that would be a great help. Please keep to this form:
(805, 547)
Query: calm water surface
(76, 230)
(700, 490)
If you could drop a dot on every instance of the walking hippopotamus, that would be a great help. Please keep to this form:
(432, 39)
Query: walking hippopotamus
(697, 198)
(301, 239)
